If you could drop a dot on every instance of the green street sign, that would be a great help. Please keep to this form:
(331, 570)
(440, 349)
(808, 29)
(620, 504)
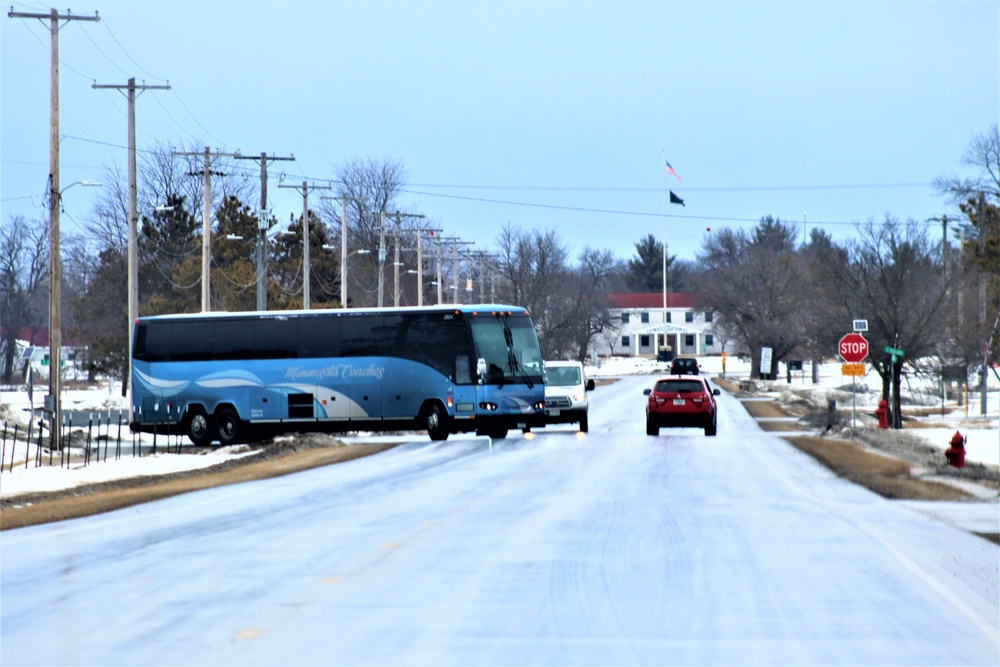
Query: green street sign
(894, 352)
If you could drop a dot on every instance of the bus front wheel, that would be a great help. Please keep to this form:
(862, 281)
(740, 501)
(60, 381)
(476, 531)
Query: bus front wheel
(437, 422)
(227, 424)
(197, 428)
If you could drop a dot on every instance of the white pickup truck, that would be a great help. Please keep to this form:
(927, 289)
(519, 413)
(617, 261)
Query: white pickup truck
(566, 387)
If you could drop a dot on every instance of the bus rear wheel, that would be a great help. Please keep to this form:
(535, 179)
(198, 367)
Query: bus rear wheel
(437, 422)
(197, 427)
(227, 426)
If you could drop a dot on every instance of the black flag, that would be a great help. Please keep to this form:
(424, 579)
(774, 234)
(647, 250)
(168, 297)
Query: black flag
(674, 199)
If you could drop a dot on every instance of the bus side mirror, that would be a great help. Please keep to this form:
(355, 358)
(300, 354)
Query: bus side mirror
(481, 370)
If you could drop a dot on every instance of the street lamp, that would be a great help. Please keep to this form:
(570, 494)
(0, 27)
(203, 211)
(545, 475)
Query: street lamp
(53, 404)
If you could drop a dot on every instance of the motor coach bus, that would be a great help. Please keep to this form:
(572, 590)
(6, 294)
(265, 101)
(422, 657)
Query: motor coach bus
(235, 377)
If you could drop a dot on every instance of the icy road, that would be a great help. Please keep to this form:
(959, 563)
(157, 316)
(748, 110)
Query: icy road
(612, 547)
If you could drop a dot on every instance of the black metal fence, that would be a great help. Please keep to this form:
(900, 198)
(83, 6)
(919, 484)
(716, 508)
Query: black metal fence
(103, 437)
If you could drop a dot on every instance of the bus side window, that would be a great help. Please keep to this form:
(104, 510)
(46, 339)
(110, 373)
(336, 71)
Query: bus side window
(463, 372)
(139, 345)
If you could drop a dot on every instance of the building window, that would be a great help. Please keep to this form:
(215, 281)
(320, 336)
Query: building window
(643, 341)
(689, 316)
(644, 318)
(688, 340)
(625, 342)
(709, 340)
(668, 316)
(709, 316)
(624, 318)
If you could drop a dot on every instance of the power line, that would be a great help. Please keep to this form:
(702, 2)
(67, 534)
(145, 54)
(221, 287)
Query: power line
(755, 188)
(642, 214)
(108, 28)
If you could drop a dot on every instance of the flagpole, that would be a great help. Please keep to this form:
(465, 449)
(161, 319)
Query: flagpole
(665, 297)
(667, 168)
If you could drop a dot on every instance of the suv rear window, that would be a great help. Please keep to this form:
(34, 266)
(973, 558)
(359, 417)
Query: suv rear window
(679, 386)
(684, 367)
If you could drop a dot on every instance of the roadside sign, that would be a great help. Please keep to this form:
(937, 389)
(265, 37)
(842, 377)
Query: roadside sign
(852, 369)
(861, 325)
(895, 351)
(765, 359)
(853, 348)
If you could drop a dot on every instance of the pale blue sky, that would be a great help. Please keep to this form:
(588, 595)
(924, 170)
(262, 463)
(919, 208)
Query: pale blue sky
(519, 112)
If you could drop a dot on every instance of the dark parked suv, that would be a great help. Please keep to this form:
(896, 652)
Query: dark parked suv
(684, 366)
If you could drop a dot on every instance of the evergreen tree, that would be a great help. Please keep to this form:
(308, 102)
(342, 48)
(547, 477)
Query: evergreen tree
(644, 272)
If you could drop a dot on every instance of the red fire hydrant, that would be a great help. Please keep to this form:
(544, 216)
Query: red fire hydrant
(956, 453)
(882, 413)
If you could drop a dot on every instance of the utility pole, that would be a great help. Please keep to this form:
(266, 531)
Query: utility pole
(54, 405)
(206, 221)
(343, 241)
(454, 266)
(482, 257)
(133, 216)
(420, 264)
(439, 239)
(262, 226)
(984, 369)
(305, 235)
(396, 263)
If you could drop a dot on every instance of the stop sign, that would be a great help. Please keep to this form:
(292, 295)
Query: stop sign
(853, 348)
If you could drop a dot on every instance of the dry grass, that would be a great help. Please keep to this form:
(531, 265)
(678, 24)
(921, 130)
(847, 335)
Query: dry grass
(32, 509)
(889, 477)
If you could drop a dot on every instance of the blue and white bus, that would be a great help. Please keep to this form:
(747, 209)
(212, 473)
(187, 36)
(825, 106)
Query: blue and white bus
(236, 377)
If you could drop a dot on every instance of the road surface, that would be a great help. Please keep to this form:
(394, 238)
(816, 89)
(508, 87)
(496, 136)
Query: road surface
(611, 547)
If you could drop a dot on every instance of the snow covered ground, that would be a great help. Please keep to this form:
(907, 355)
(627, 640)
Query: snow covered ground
(983, 434)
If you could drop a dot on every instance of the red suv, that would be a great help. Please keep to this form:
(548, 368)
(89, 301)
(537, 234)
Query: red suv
(681, 400)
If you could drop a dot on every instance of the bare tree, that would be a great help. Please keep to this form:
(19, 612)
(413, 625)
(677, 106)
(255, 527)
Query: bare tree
(895, 280)
(24, 259)
(755, 285)
(533, 272)
(369, 187)
(825, 314)
(983, 156)
(163, 175)
(107, 225)
(589, 315)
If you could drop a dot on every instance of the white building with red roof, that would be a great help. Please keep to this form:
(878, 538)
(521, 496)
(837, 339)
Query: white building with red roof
(640, 319)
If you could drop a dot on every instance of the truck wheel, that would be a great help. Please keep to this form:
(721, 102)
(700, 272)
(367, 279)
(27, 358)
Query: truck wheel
(197, 427)
(584, 426)
(436, 421)
(227, 425)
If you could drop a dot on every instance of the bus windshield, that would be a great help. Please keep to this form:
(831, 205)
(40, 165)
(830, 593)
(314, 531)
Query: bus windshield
(509, 346)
